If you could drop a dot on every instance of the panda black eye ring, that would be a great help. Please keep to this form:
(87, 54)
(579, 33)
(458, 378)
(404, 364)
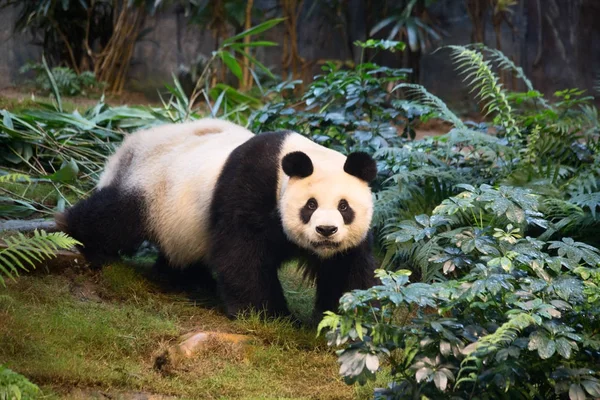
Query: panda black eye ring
(311, 204)
(343, 205)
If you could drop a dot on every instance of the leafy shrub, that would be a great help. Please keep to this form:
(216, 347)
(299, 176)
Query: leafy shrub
(498, 223)
(518, 317)
(69, 83)
(14, 386)
(345, 109)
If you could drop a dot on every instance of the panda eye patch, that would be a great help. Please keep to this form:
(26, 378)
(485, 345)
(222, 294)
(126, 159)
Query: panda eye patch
(308, 210)
(346, 211)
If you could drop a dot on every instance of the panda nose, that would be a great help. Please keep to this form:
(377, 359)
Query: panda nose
(326, 230)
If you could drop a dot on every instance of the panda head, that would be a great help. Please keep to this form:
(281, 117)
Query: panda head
(326, 207)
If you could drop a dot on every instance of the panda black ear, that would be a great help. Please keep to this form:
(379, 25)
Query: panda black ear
(297, 164)
(361, 165)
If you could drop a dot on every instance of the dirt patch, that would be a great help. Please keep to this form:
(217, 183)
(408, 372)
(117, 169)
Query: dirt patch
(433, 127)
(85, 394)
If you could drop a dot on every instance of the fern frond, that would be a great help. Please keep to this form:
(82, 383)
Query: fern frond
(471, 137)
(406, 177)
(426, 98)
(14, 178)
(21, 251)
(506, 64)
(505, 335)
(479, 75)
(405, 155)
(420, 255)
(587, 200)
(581, 183)
(387, 204)
(569, 219)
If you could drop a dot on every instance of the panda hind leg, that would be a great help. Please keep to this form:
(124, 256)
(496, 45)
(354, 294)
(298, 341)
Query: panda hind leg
(108, 223)
(196, 276)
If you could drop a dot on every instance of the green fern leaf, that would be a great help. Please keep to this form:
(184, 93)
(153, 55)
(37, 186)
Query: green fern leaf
(14, 178)
(479, 75)
(19, 251)
(430, 100)
(588, 200)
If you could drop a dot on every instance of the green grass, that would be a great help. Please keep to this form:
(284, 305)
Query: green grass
(84, 331)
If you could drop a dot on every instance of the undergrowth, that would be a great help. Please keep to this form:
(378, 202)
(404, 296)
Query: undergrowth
(494, 227)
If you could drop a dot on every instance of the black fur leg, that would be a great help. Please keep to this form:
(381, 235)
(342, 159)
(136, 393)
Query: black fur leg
(354, 269)
(108, 224)
(247, 240)
(247, 278)
(189, 278)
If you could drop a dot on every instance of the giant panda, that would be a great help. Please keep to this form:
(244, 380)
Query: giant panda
(212, 195)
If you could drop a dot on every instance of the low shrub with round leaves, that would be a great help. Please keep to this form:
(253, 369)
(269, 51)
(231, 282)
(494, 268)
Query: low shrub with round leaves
(517, 317)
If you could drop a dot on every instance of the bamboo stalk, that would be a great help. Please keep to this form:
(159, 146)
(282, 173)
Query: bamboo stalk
(247, 80)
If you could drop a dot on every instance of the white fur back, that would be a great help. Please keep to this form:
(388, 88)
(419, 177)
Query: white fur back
(176, 167)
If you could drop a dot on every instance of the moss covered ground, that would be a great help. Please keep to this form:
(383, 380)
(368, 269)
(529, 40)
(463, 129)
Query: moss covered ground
(84, 334)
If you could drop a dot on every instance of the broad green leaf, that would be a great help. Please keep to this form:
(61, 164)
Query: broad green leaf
(576, 392)
(67, 173)
(53, 84)
(592, 387)
(232, 63)
(563, 347)
(441, 380)
(423, 374)
(259, 43)
(254, 30)
(372, 362)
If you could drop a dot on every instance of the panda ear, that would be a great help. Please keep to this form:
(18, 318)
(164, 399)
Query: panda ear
(361, 165)
(297, 164)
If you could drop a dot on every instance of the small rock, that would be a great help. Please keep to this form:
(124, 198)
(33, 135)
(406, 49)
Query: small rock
(192, 343)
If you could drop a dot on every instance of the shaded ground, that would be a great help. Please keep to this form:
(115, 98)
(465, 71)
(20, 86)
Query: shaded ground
(84, 334)
(20, 98)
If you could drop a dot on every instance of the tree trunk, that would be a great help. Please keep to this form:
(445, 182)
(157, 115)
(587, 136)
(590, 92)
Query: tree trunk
(477, 10)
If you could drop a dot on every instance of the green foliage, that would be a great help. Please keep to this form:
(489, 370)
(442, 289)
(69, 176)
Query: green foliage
(67, 81)
(345, 109)
(479, 75)
(21, 252)
(516, 316)
(14, 386)
(405, 22)
(226, 97)
(501, 231)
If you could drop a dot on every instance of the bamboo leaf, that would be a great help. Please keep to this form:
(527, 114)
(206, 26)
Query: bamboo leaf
(254, 30)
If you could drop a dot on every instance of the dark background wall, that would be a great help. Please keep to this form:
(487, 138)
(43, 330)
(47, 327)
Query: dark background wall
(557, 42)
